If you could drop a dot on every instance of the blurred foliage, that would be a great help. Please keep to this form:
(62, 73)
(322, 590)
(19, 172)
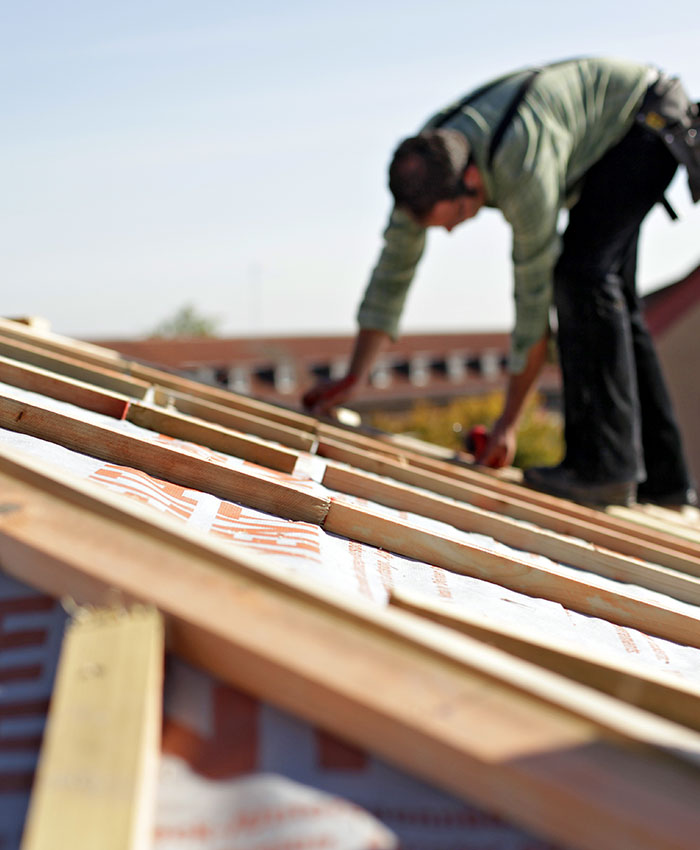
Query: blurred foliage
(540, 435)
(186, 322)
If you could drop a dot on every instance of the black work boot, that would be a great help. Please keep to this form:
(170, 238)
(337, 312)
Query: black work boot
(564, 483)
(676, 499)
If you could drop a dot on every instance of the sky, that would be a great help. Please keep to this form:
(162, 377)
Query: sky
(232, 155)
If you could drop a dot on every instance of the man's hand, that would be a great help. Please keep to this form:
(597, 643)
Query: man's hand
(502, 441)
(321, 399)
(499, 450)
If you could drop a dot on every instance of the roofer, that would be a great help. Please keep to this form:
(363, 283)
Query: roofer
(603, 138)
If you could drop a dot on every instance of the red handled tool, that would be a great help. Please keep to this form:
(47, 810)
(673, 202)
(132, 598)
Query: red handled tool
(476, 440)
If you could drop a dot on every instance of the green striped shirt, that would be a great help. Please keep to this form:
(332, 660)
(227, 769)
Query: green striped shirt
(572, 114)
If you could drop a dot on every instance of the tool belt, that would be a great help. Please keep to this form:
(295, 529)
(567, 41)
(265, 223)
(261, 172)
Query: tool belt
(668, 112)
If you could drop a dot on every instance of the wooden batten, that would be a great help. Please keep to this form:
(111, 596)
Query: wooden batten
(566, 550)
(686, 516)
(96, 781)
(616, 520)
(162, 462)
(73, 368)
(54, 343)
(46, 383)
(659, 522)
(219, 395)
(482, 497)
(615, 605)
(215, 437)
(665, 695)
(343, 444)
(237, 419)
(447, 708)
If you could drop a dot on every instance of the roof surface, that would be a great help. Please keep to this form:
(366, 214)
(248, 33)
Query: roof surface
(469, 662)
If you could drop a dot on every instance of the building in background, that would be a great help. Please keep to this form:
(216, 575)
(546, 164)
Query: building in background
(438, 366)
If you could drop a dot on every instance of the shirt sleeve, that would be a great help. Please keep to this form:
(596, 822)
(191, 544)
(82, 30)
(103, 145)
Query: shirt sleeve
(384, 297)
(531, 206)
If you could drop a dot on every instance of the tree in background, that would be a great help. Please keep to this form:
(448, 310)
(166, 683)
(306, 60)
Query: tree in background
(186, 322)
(540, 437)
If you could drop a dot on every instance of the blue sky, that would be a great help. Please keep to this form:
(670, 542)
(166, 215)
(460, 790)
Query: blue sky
(233, 155)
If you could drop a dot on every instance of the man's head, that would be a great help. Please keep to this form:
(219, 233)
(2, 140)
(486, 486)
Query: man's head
(433, 177)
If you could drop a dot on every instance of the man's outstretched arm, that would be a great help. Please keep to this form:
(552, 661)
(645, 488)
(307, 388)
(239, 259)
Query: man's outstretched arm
(500, 448)
(321, 399)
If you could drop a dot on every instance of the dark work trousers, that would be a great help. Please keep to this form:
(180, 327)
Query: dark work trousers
(619, 422)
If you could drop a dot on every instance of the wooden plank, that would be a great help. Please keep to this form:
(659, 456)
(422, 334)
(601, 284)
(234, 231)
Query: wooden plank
(82, 394)
(554, 583)
(665, 695)
(687, 516)
(96, 781)
(161, 461)
(215, 437)
(656, 522)
(454, 713)
(525, 511)
(72, 368)
(565, 550)
(237, 419)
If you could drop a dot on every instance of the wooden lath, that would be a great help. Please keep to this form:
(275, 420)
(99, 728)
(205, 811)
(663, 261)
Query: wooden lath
(213, 436)
(673, 553)
(393, 462)
(168, 422)
(679, 583)
(663, 694)
(73, 367)
(555, 583)
(302, 423)
(96, 780)
(685, 526)
(393, 465)
(457, 713)
(232, 418)
(162, 461)
(80, 393)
